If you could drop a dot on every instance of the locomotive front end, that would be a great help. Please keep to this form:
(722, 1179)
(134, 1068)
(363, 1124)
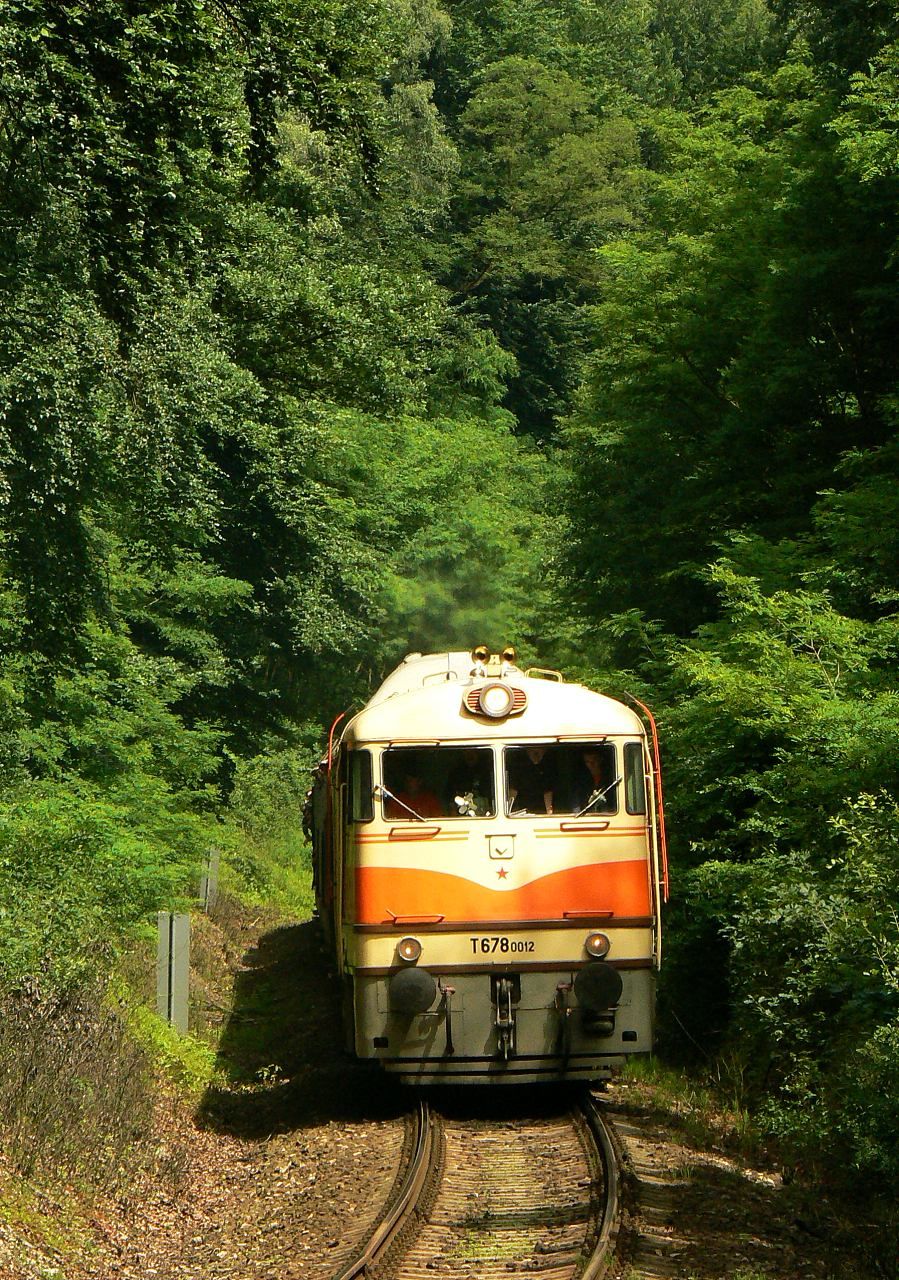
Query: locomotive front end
(495, 879)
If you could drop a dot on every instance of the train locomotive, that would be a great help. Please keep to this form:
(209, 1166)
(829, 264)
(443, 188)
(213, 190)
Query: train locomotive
(489, 867)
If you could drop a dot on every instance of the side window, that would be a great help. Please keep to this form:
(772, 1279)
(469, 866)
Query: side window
(634, 778)
(361, 799)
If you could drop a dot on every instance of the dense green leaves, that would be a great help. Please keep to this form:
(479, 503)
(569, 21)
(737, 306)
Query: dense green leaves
(736, 429)
(741, 346)
(222, 505)
(543, 183)
(328, 332)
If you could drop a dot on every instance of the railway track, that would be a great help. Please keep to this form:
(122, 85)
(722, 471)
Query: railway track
(486, 1195)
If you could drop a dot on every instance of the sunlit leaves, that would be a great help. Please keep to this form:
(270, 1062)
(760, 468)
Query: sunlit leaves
(543, 183)
(728, 376)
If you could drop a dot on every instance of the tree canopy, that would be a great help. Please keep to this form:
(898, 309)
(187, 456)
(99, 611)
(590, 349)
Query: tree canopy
(332, 331)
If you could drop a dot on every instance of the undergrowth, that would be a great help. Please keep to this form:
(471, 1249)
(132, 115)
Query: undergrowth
(267, 860)
(707, 1110)
(76, 1087)
(87, 1067)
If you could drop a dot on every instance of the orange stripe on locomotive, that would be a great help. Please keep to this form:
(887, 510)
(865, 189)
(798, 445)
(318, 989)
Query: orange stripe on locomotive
(619, 888)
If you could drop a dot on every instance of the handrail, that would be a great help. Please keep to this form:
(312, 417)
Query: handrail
(657, 778)
(426, 831)
(583, 913)
(431, 917)
(336, 721)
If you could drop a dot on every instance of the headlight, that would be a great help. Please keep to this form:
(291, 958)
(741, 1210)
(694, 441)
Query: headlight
(598, 945)
(496, 700)
(409, 950)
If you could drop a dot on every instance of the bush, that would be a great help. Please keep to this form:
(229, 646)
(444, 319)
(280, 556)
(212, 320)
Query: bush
(266, 852)
(269, 790)
(813, 969)
(76, 1090)
(77, 874)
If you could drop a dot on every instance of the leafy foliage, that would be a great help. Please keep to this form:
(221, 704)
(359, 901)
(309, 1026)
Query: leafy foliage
(544, 183)
(736, 427)
(329, 332)
(222, 338)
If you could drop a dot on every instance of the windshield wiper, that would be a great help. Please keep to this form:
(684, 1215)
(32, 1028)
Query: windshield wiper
(382, 791)
(599, 795)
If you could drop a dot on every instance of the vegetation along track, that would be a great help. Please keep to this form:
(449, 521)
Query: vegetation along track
(490, 1193)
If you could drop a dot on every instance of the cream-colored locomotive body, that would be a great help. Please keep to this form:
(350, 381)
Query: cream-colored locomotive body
(489, 874)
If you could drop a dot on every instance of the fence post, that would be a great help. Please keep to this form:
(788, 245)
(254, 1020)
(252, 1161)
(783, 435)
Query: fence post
(209, 882)
(173, 968)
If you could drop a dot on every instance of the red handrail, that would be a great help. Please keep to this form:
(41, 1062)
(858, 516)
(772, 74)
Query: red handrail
(336, 722)
(658, 781)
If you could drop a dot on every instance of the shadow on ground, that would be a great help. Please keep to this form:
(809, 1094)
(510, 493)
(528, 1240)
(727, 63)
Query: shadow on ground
(506, 1103)
(701, 1213)
(281, 1065)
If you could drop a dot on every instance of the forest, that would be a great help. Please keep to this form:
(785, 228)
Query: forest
(330, 332)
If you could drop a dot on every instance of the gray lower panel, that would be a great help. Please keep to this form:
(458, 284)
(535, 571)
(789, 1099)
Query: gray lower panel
(552, 1037)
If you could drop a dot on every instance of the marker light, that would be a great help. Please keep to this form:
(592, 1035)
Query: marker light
(495, 700)
(409, 950)
(597, 944)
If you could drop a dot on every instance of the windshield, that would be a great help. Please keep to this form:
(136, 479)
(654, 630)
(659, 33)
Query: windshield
(438, 782)
(570, 778)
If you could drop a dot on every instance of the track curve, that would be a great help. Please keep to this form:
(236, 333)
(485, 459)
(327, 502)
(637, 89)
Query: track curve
(488, 1196)
(403, 1204)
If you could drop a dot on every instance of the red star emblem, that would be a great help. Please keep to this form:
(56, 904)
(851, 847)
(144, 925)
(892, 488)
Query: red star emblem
(502, 873)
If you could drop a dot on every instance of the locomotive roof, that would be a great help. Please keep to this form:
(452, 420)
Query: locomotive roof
(422, 701)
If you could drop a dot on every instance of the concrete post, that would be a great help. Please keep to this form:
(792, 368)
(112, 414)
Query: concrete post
(173, 968)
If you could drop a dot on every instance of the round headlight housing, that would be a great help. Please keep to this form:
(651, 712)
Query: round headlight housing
(496, 700)
(597, 945)
(408, 950)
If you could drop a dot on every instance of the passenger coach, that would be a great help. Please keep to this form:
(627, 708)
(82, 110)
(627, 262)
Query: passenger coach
(489, 865)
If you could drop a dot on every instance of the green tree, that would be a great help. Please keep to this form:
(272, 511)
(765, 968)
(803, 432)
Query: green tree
(604, 46)
(741, 349)
(701, 46)
(544, 182)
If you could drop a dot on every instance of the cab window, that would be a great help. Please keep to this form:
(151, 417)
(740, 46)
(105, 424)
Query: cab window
(569, 778)
(421, 783)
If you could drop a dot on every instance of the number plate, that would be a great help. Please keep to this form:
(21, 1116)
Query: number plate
(497, 944)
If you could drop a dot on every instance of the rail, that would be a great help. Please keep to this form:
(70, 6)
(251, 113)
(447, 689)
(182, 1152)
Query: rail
(404, 1203)
(603, 1252)
(595, 1139)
